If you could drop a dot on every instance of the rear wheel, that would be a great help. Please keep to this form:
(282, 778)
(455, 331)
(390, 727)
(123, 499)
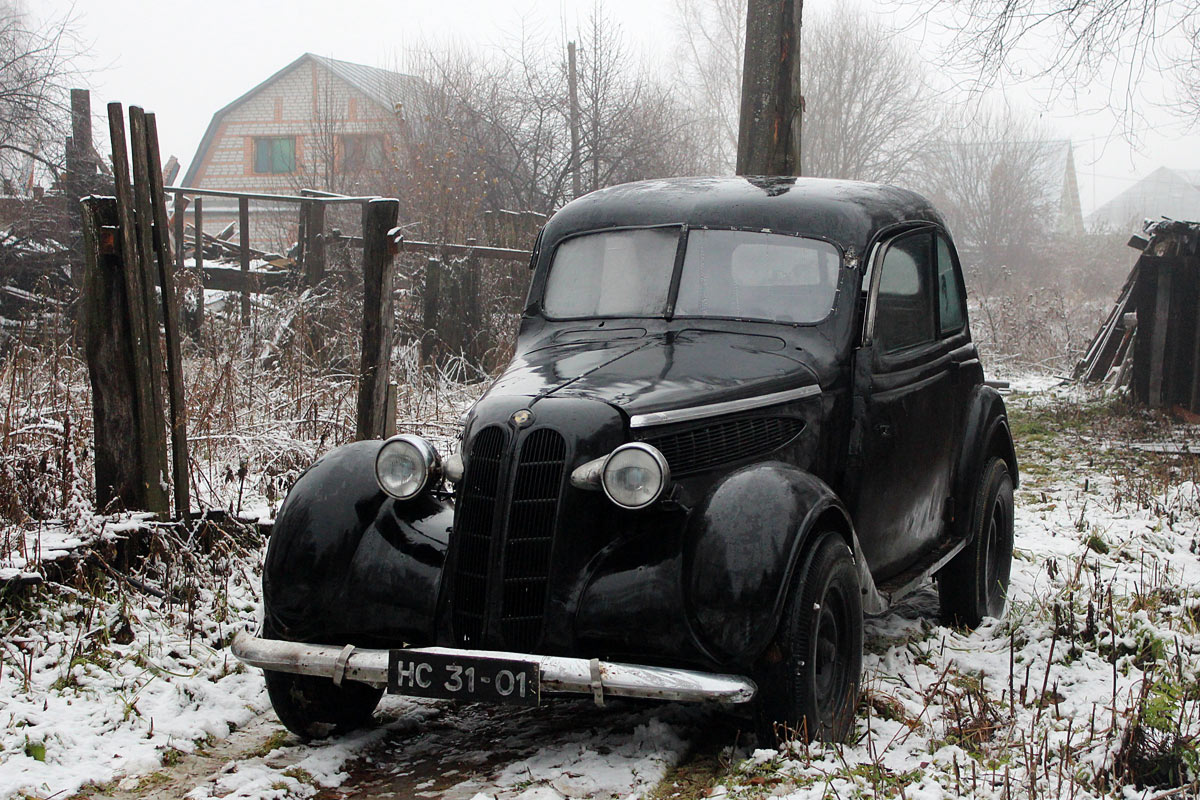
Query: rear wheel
(974, 584)
(809, 686)
(313, 708)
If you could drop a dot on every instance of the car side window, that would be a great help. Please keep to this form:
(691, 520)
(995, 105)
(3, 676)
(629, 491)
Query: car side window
(951, 297)
(903, 301)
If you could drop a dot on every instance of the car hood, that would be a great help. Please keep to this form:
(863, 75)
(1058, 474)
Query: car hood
(642, 373)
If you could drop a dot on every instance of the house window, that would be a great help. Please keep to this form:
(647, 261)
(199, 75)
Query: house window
(274, 155)
(362, 152)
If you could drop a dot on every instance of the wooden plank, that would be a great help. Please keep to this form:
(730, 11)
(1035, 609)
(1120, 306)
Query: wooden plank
(177, 223)
(170, 306)
(379, 217)
(80, 168)
(1194, 400)
(149, 445)
(233, 279)
(109, 350)
(244, 253)
(198, 223)
(446, 250)
(1158, 335)
(282, 198)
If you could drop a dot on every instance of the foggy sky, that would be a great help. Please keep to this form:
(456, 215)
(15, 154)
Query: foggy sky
(185, 60)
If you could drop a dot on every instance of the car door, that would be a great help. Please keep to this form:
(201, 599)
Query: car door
(906, 407)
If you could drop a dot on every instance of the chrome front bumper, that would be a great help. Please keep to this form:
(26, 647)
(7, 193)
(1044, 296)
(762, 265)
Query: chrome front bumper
(559, 674)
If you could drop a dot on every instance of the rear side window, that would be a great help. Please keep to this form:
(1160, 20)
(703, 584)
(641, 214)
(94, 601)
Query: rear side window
(951, 297)
(904, 315)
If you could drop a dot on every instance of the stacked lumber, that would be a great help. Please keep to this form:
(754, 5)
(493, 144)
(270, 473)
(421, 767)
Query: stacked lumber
(1150, 340)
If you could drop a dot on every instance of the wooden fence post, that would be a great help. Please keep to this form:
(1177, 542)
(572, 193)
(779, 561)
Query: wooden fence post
(432, 296)
(314, 242)
(149, 439)
(379, 217)
(121, 474)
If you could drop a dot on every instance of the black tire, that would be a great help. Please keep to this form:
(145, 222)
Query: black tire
(974, 584)
(313, 708)
(809, 687)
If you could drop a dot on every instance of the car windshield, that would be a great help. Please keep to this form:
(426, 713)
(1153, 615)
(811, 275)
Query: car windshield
(739, 274)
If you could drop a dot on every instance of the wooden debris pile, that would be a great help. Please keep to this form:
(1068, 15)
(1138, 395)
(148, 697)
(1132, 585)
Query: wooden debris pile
(1150, 340)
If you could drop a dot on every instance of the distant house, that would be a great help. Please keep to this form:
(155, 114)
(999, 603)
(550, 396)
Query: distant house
(317, 123)
(1166, 192)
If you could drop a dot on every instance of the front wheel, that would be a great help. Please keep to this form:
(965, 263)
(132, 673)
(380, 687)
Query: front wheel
(313, 708)
(809, 687)
(974, 584)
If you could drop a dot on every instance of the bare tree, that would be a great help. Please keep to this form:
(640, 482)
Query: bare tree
(868, 107)
(997, 185)
(505, 117)
(1073, 42)
(35, 65)
(712, 35)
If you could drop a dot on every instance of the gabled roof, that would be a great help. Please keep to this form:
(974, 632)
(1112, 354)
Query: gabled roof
(383, 86)
(1165, 192)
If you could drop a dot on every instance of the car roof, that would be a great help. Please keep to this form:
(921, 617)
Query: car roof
(848, 213)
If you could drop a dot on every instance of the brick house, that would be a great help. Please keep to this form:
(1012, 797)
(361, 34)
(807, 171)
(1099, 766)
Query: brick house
(317, 123)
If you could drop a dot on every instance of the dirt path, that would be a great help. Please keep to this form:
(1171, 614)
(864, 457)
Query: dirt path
(435, 750)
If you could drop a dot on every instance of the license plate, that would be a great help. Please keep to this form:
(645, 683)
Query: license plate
(447, 677)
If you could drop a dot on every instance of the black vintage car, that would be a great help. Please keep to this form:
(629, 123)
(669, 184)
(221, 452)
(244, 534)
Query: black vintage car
(742, 412)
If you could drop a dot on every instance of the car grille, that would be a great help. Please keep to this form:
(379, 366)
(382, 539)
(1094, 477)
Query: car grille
(524, 565)
(473, 528)
(707, 446)
(531, 536)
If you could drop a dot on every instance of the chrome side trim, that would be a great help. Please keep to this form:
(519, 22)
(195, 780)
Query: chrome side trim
(559, 673)
(717, 409)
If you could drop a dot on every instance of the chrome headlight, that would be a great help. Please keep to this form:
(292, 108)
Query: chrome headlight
(405, 465)
(634, 475)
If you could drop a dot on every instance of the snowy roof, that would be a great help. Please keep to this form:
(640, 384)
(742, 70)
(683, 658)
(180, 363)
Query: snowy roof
(1165, 192)
(380, 85)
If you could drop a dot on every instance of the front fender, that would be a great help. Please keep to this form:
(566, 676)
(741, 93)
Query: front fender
(741, 547)
(348, 564)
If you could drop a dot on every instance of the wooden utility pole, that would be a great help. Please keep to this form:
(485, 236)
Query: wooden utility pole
(770, 124)
(573, 80)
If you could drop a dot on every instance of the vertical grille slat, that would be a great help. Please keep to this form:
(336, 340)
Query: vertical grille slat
(530, 538)
(476, 507)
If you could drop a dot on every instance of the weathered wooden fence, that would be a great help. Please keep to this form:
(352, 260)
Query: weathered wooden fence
(127, 255)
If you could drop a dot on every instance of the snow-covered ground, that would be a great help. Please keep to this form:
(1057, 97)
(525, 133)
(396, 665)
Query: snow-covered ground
(1087, 687)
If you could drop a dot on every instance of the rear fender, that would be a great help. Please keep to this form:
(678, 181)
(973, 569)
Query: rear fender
(985, 434)
(742, 546)
(347, 563)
